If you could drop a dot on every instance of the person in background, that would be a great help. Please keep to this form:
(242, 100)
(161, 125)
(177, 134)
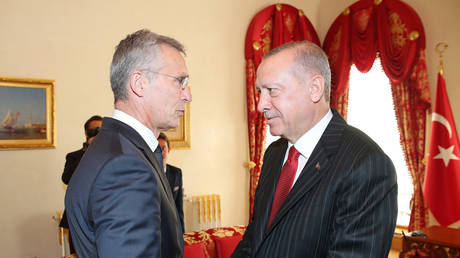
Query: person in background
(174, 176)
(326, 189)
(92, 127)
(119, 203)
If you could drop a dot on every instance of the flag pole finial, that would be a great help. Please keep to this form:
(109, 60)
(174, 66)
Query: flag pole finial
(440, 48)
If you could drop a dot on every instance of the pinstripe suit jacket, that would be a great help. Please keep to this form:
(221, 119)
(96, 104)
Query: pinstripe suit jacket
(344, 204)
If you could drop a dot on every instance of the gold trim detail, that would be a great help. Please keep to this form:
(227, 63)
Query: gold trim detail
(346, 11)
(256, 45)
(266, 36)
(398, 31)
(289, 22)
(250, 164)
(46, 128)
(179, 137)
(278, 7)
(301, 13)
(440, 48)
(377, 2)
(414, 35)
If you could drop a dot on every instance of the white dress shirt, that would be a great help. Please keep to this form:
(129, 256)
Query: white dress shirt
(145, 132)
(307, 142)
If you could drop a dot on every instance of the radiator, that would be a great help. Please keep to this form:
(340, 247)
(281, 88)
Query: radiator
(205, 212)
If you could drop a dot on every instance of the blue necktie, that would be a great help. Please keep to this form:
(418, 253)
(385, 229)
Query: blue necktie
(159, 156)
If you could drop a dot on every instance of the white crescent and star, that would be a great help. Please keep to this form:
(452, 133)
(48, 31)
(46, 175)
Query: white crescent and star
(438, 118)
(446, 154)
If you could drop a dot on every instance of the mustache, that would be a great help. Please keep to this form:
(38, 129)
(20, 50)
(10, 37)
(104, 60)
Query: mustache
(268, 115)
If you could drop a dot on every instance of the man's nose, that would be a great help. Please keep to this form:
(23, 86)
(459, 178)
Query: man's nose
(263, 104)
(187, 94)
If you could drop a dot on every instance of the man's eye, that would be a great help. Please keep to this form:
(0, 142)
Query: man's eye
(273, 91)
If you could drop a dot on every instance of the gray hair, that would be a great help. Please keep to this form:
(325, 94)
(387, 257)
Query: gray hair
(310, 59)
(136, 51)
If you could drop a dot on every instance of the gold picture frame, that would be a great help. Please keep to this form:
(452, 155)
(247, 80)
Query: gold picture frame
(27, 113)
(179, 138)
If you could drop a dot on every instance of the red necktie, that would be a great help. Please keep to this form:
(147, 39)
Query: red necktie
(284, 183)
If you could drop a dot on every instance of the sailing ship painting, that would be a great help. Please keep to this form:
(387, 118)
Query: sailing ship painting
(22, 113)
(10, 120)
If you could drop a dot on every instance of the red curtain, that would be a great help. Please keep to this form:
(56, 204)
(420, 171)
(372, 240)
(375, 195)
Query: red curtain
(392, 30)
(270, 28)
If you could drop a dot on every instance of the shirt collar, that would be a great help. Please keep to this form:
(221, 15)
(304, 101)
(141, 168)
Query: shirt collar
(145, 132)
(307, 142)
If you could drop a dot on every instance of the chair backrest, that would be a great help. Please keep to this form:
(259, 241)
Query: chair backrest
(63, 235)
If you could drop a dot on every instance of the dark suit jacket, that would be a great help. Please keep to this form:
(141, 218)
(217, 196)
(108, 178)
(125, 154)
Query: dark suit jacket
(344, 203)
(174, 176)
(118, 201)
(71, 162)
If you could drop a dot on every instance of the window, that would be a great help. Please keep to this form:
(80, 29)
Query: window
(370, 108)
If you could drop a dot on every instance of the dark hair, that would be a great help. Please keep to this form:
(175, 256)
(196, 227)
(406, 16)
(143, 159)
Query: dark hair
(137, 51)
(164, 137)
(91, 119)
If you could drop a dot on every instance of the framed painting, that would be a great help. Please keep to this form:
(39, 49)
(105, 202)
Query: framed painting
(179, 138)
(27, 113)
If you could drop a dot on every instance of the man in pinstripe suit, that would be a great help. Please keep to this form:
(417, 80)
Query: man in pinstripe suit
(343, 196)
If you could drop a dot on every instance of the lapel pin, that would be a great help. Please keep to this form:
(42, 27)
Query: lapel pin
(317, 166)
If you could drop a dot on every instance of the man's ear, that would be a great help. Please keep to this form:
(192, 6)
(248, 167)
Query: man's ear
(137, 82)
(316, 88)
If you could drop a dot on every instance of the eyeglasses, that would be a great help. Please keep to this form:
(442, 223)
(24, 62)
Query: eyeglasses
(182, 80)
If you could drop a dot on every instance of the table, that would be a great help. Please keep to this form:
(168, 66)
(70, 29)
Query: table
(439, 242)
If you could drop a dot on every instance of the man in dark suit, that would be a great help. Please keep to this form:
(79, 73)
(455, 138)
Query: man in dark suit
(92, 127)
(336, 194)
(174, 176)
(118, 202)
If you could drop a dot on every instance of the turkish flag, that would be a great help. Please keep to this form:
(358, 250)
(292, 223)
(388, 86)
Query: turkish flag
(442, 178)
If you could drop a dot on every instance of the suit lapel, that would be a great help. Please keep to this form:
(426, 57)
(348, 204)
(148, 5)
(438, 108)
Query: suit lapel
(164, 181)
(306, 181)
(139, 142)
(318, 164)
(270, 173)
(273, 173)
